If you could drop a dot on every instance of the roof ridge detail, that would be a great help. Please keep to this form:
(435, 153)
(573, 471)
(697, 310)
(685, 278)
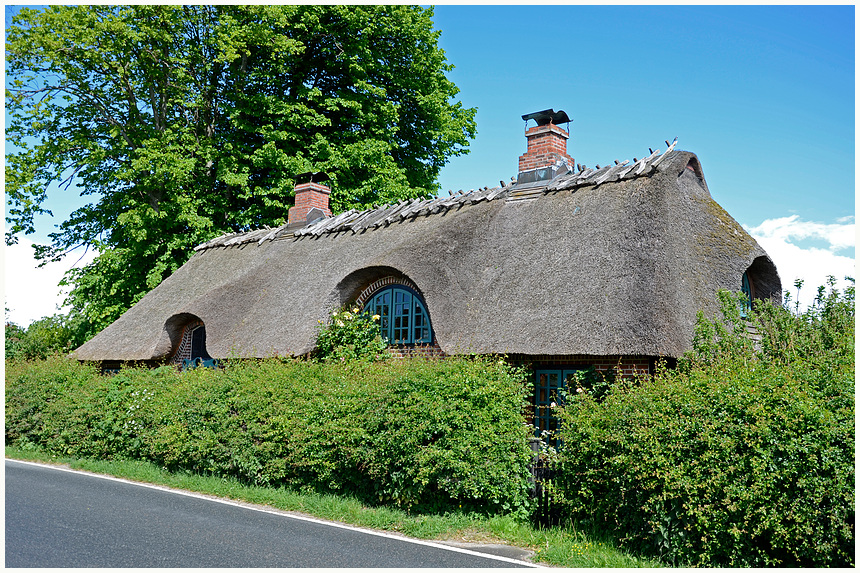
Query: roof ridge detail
(357, 221)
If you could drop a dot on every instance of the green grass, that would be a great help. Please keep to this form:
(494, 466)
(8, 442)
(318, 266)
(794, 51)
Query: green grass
(558, 546)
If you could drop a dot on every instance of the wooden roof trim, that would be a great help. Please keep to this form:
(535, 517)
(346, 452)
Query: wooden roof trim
(358, 221)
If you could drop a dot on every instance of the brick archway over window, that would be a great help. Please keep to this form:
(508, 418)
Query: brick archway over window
(382, 283)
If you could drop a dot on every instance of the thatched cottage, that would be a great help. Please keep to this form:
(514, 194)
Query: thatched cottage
(563, 267)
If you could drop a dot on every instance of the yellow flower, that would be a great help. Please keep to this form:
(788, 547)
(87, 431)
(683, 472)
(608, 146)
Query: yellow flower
(375, 317)
(355, 311)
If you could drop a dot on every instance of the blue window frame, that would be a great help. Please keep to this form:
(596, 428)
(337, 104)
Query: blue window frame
(403, 317)
(550, 385)
(746, 305)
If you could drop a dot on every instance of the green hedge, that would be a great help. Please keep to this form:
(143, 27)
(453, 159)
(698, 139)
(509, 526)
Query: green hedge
(419, 434)
(743, 456)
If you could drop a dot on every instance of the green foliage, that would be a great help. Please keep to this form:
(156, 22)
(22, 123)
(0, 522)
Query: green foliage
(186, 122)
(351, 335)
(597, 384)
(57, 334)
(416, 434)
(743, 456)
(13, 334)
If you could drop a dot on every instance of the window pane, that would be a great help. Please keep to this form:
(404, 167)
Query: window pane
(198, 342)
(402, 307)
(547, 386)
(746, 305)
(382, 302)
(421, 322)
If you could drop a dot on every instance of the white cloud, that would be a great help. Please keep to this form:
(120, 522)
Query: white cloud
(839, 235)
(31, 292)
(811, 265)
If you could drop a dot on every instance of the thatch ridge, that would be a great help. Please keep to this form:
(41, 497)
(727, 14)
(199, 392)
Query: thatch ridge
(357, 221)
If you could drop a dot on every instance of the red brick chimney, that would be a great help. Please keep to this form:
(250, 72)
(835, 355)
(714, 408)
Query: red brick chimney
(310, 195)
(547, 147)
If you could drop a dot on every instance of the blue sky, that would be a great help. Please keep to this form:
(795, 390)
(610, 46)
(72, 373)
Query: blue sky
(764, 95)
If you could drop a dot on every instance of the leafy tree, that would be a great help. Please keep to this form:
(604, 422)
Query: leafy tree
(185, 122)
(57, 334)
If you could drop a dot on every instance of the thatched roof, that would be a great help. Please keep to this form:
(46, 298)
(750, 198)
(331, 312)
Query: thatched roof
(611, 261)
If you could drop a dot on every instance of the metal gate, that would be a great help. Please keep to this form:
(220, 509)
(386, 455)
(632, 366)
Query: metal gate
(547, 511)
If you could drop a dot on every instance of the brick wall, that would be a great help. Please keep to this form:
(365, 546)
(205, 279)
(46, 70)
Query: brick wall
(426, 350)
(183, 351)
(627, 366)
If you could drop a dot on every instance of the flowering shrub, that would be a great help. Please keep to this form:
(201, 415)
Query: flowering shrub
(351, 335)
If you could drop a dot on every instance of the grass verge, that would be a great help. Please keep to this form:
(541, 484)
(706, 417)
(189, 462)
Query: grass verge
(558, 546)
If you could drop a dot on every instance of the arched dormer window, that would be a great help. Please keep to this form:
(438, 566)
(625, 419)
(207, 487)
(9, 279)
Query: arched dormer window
(403, 316)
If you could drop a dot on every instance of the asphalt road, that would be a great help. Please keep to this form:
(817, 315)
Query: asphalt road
(60, 518)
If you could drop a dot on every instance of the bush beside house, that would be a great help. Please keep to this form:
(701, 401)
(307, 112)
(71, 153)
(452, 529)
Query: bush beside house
(60, 333)
(418, 434)
(743, 456)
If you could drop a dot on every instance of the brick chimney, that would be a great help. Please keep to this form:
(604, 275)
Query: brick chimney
(311, 199)
(546, 154)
